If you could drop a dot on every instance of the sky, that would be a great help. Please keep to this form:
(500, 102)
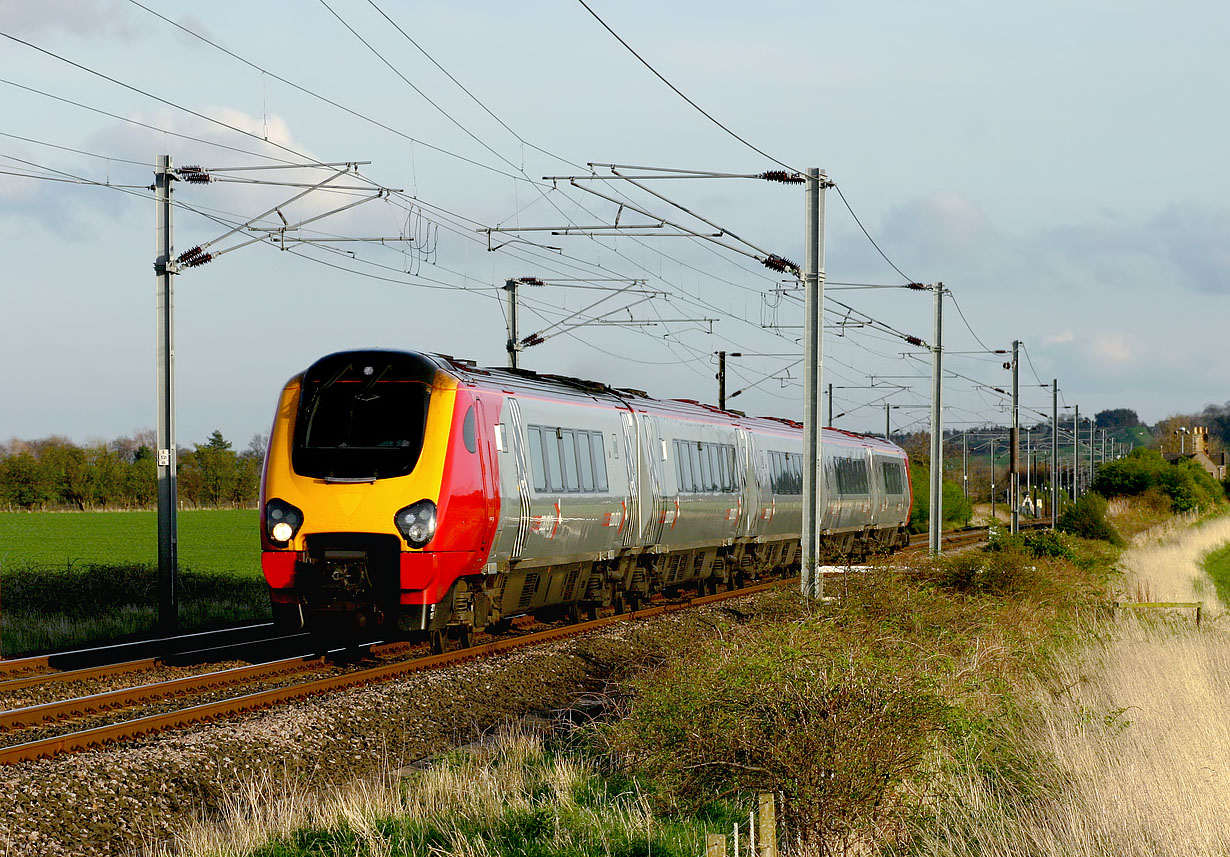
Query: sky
(1058, 166)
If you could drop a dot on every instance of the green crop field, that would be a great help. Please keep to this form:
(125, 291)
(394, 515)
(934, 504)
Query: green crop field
(221, 541)
(78, 578)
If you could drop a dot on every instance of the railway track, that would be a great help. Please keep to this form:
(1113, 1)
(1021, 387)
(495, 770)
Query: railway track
(64, 718)
(49, 727)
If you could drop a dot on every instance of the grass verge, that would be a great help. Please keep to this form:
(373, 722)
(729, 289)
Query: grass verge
(517, 794)
(71, 579)
(859, 713)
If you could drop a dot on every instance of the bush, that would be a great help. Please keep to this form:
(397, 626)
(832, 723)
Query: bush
(1185, 483)
(957, 508)
(1002, 568)
(780, 708)
(1087, 518)
(1047, 543)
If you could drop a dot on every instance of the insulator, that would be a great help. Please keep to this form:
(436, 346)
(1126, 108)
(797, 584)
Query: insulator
(197, 260)
(194, 175)
(918, 287)
(189, 254)
(535, 339)
(776, 263)
(914, 340)
(782, 176)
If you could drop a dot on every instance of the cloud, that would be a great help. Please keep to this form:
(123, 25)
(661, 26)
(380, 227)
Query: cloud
(1185, 245)
(79, 17)
(944, 226)
(1060, 338)
(1113, 348)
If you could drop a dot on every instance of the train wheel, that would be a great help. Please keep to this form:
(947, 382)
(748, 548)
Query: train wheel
(574, 612)
(436, 638)
(591, 611)
(465, 637)
(620, 603)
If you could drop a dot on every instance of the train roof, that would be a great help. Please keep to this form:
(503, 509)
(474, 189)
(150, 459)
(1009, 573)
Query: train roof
(528, 381)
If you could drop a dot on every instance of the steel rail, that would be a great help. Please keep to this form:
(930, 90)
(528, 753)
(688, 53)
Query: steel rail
(79, 675)
(33, 715)
(165, 646)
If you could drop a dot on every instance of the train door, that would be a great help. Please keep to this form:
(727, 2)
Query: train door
(749, 485)
(490, 479)
(516, 443)
(632, 457)
(654, 451)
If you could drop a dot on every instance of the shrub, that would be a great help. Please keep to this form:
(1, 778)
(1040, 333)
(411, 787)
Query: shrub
(780, 708)
(1185, 483)
(957, 508)
(1087, 518)
(1047, 543)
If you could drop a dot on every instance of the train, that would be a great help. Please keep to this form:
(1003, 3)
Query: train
(419, 494)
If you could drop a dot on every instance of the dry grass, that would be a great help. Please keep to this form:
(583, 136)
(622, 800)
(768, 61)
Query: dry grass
(470, 804)
(1134, 726)
(1164, 563)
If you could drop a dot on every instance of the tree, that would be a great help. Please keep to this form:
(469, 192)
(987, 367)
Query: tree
(1117, 418)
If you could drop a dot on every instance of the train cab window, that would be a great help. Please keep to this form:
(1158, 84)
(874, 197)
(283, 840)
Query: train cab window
(362, 416)
(585, 460)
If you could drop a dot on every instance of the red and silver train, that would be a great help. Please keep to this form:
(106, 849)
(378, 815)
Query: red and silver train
(418, 493)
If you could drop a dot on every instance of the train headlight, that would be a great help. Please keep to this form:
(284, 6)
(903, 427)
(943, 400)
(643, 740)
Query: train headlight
(417, 523)
(282, 521)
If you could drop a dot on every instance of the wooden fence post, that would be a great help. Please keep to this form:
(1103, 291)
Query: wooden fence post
(766, 823)
(715, 845)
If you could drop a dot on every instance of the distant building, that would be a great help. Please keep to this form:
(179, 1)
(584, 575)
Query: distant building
(1214, 465)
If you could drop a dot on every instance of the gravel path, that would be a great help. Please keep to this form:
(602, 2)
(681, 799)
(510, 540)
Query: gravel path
(117, 800)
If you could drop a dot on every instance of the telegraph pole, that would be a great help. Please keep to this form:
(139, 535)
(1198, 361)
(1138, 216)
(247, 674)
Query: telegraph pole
(830, 414)
(937, 425)
(888, 425)
(1054, 450)
(721, 379)
(1076, 452)
(993, 480)
(1014, 478)
(812, 582)
(514, 342)
(1092, 442)
(164, 269)
(965, 464)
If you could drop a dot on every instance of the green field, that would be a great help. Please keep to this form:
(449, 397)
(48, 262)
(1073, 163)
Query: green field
(69, 579)
(223, 541)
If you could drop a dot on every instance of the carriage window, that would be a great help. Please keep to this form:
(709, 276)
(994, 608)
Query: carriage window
(851, 476)
(536, 463)
(555, 470)
(569, 446)
(894, 482)
(585, 461)
(599, 461)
